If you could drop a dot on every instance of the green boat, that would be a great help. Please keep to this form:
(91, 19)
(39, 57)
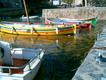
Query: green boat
(93, 20)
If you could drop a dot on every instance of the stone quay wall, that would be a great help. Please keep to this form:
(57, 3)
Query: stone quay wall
(94, 66)
(77, 12)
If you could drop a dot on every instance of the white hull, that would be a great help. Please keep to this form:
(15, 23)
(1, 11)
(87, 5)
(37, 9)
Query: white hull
(29, 70)
(26, 76)
(31, 17)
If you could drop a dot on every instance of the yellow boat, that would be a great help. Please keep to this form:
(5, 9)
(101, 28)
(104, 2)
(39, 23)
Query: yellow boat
(36, 28)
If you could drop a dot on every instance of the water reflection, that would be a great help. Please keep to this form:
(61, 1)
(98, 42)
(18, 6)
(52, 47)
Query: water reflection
(51, 41)
(35, 39)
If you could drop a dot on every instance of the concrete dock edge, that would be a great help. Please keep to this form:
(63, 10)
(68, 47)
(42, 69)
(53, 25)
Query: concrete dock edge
(92, 67)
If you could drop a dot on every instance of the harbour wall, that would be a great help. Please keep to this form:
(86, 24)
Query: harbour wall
(77, 12)
(94, 65)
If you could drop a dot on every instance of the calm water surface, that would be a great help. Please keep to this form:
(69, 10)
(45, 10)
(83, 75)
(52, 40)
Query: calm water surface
(63, 54)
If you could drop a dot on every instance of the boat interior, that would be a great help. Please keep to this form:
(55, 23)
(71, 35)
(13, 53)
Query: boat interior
(21, 60)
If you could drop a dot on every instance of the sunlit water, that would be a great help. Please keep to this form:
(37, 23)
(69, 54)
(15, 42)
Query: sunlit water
(63, 54)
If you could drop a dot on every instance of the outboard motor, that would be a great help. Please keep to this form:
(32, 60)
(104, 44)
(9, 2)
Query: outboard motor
(5, 54)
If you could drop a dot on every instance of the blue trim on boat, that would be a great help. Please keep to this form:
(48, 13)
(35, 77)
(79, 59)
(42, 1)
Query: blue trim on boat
(38, 29)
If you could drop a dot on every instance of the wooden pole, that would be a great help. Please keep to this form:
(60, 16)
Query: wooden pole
(26, 11)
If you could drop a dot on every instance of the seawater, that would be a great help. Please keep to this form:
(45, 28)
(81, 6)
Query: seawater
(63, 54)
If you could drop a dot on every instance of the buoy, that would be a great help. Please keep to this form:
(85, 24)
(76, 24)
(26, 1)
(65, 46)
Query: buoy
(5, 53)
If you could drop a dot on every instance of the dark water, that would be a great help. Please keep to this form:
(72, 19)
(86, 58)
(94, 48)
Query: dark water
(63, 54)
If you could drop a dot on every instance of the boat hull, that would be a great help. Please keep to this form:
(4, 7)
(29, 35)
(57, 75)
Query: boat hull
(79, 24)
(38, 29)
(27, 74)
(93, 20)
(30, 75)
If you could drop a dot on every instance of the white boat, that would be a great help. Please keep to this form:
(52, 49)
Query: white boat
(19, 63)
(30, 17)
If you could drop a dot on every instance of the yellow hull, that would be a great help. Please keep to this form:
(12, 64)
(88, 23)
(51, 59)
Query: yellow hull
(37, 29)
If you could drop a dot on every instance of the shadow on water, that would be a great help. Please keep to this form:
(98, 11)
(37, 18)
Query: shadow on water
(63, 54)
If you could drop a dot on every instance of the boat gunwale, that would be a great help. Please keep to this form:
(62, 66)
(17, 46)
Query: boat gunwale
(78, 19)
(66, 23)
(33, 23)
(9, 67)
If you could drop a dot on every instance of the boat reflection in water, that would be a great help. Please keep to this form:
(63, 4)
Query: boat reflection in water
(49, 42)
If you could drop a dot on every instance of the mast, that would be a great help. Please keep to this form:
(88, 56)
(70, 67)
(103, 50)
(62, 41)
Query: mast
(26, 11)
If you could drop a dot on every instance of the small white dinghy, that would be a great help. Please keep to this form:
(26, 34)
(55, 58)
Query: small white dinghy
(30, 17)
(19, 63)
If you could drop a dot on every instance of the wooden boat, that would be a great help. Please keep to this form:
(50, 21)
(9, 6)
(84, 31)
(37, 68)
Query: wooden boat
(79, 24)
(93, 20)
(36, 29)
(69, 19)
(19, 63)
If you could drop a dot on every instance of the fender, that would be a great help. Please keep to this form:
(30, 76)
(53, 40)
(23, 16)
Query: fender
(5, 53)
(1, 52)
